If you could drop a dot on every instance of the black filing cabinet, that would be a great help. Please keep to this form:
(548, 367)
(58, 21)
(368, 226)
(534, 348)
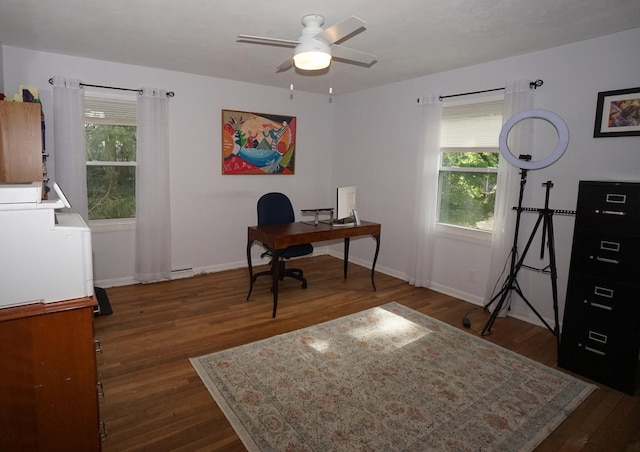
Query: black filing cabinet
(601, 327)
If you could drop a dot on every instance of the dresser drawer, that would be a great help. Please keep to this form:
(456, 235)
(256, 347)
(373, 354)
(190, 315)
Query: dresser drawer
(598, 341)
(601, 329)
(602, 298)
(609, 206)
(609, 358)
(606, 255)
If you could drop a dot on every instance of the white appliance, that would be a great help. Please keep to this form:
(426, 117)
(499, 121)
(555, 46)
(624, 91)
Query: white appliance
(45, 256)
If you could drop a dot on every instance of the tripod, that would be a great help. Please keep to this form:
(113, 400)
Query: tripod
(545, 217)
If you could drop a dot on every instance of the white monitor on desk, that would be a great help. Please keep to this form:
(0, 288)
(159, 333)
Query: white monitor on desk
(346, 202)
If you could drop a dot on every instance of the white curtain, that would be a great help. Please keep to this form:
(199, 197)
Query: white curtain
(518, 97)
(70, 143)
(153, 214)
(426, 193)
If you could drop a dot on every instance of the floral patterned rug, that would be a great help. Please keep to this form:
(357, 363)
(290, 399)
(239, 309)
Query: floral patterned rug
(388, 378)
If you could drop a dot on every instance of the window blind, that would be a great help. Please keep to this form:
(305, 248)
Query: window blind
(471, 126)
(101, 110)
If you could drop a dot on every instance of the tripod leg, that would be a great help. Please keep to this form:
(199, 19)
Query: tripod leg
(512, 283)
(513, 269)
(504, 294)
(498, 295)
(549, 228)
(554, 277)
(544, 322)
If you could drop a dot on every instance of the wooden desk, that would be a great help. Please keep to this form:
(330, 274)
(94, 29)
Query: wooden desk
(280, 236)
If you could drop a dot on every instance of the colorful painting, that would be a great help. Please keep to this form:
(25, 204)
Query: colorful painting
(618, 113)
(258, 143)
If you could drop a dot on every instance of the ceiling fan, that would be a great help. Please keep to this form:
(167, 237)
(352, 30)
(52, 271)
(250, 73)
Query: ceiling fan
(315, 47)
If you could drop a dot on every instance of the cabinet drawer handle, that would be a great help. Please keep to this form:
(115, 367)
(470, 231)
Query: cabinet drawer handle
(593, 350)
(598, 337)
(601, 306)
(616, 198)
(103, 429)
(98, 345)
(607, 260)
(612, 212)
(603, 292)
(609, 246)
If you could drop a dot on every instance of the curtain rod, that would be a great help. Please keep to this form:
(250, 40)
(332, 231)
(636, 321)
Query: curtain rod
(534, 85)
(139, 91)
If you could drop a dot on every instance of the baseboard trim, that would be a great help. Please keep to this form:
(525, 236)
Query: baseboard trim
(319, 251)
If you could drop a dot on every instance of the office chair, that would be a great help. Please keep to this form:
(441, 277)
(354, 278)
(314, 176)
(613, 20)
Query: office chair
(276, 208)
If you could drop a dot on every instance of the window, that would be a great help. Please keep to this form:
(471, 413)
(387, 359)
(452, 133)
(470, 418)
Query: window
(110, 126)
(469, 164)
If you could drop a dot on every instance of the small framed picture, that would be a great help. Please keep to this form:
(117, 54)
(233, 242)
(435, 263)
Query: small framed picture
(618, 113)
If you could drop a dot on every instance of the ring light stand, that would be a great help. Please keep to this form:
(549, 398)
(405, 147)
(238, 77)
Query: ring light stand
(545, 216)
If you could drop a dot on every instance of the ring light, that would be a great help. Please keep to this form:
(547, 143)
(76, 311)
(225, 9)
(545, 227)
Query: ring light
(556, 121)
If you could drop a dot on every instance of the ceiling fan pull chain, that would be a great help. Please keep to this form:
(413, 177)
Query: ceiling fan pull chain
(331, 78)
(293, 72)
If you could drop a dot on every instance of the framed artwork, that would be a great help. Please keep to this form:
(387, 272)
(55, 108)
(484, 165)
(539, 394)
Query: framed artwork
(258, 143)
(618, 113)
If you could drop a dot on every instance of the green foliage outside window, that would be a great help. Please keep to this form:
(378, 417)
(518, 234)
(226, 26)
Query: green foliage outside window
(468, 197)
(111, 186)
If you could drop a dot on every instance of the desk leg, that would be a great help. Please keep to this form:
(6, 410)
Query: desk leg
(346, 256)
(375, 259)
(275, 271)
(249, 245)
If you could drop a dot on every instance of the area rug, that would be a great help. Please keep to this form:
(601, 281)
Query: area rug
(388, 378)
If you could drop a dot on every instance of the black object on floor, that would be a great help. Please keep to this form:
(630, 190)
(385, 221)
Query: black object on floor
(103, 308)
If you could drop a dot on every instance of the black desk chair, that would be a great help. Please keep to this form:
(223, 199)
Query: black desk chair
(276, 208)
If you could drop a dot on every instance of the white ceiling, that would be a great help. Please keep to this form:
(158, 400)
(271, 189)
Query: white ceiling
(411, 38)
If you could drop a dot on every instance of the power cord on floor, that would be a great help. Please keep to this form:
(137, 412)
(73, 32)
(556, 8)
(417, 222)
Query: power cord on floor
(466, 321)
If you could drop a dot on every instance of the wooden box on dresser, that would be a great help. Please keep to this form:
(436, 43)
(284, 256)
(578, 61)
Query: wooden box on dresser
(20, 142)
(601, 327)
(48, 377)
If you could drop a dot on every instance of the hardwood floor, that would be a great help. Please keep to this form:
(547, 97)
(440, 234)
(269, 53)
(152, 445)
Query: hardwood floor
(154, 399)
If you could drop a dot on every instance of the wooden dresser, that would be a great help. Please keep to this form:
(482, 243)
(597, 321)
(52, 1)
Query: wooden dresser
(601, 327)
(48, 377)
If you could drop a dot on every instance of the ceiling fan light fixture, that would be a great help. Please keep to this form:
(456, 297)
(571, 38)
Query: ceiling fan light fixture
(314, 49)
(312, 61)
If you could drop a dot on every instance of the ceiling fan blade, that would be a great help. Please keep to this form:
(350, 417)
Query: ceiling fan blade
(263, 40)
(286, 65)
(345, 53)
(341, 30)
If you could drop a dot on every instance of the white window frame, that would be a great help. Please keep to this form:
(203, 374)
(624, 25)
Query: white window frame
(466, 234)
(113, 224)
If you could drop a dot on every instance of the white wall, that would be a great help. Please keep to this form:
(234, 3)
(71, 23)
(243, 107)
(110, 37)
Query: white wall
(375, 148)
(367, 138)
(209, 212)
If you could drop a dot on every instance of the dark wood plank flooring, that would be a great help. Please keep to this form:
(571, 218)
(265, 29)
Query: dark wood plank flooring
(155, 401)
